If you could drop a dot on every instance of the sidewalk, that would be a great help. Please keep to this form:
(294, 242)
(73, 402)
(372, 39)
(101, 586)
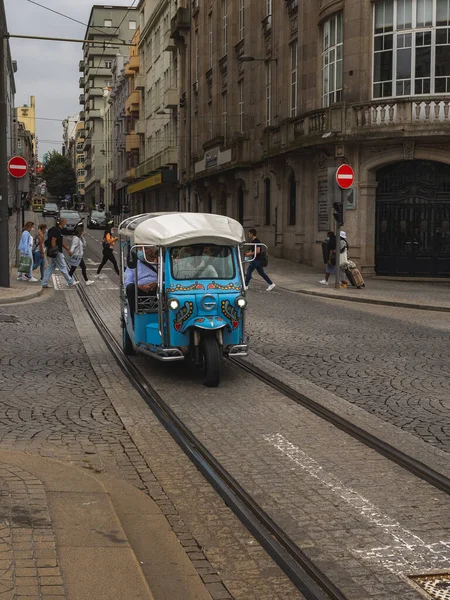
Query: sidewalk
(20, 291)
(71, 533)
(408, 294)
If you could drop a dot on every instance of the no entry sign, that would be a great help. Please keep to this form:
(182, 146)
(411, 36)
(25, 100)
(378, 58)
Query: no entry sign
(18, 167)
(345, 176)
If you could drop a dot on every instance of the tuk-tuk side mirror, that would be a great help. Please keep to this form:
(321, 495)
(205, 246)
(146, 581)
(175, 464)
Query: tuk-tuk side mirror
(132, 259)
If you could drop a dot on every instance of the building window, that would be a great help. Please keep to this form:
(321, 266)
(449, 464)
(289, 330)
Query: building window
(225, 26)
(292, 200)
(332, 60)
(132, 25)
(411, 48)
(197, 56)
(224, 115)
(241, 105)
(267, 205)
(241, 19)
(108, 64)
(294, 79)
(107, 23)
(268, 94)
(210, 40)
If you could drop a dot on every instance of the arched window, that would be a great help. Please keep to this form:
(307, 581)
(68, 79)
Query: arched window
(267, 206)
(292, 200)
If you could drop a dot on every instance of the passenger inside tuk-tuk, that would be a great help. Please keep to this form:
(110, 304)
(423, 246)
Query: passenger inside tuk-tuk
(147, 277)
(205, 261)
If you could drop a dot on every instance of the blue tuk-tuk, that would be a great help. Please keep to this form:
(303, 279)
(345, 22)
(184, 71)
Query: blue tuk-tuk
(182, 292)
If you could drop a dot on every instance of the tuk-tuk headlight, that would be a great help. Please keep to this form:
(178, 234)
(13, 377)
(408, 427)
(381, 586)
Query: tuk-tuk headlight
(174, 304)
(241, 302)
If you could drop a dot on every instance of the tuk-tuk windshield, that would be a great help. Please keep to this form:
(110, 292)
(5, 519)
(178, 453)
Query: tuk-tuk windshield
(202, 261)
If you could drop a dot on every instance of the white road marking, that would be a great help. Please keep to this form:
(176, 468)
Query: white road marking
(408, 552)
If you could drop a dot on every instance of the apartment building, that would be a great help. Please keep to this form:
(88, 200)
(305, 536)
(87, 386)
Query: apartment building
(109, 26)
(153, 110)
(69, 137)
(78, 161)
(279, 94)
(26, 115)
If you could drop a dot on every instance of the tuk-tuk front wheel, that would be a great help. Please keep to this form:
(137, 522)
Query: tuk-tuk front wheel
(127, 344)
(212, 360)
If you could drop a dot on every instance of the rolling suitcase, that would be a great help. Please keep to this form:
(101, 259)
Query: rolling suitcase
(349, 275)
(358, 278)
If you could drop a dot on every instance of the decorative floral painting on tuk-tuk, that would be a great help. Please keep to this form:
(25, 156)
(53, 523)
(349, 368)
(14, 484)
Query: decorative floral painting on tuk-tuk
(230, 313)
(183, 315)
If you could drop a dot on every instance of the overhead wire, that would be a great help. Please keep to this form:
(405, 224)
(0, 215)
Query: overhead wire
(66, 16)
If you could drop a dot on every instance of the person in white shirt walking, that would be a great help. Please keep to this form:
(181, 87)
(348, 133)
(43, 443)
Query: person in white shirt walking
(76, 259)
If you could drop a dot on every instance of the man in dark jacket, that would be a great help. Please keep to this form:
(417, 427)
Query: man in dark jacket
(55, 245)
(256, 264)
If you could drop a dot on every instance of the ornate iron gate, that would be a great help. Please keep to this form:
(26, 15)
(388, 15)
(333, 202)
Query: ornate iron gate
(413, 220)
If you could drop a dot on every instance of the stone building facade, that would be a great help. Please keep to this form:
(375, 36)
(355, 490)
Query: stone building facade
(154, 115)
(108, 25)
(277, 94)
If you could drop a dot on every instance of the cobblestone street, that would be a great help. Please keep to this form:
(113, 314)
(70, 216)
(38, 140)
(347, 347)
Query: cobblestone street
(392, 362)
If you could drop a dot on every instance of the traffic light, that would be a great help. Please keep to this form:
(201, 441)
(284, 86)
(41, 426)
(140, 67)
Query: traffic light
(339, 212)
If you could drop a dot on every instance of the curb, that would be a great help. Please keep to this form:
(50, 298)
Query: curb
(365, 300)
(22, 298)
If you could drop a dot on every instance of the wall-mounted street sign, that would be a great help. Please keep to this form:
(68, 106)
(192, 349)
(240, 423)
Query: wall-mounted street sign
(345, 176)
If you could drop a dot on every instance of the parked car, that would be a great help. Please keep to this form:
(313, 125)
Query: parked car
(73, 220)
(50, 210)
(96, 220)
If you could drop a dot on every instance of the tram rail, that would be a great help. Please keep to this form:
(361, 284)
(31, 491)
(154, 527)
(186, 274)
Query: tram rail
(306, 576)
(418, 468)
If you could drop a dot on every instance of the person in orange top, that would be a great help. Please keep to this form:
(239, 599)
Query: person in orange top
(108, 250)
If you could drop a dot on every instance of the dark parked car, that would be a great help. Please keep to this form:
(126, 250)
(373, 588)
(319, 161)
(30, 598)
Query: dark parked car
(73, 220)
(50, 210)
(97, 220)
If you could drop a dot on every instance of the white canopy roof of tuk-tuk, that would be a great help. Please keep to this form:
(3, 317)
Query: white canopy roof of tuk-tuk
(182, 229)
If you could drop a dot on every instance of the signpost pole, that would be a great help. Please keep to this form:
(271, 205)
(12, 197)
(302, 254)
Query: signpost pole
(345, 177)
(4, 215)
(337, 283)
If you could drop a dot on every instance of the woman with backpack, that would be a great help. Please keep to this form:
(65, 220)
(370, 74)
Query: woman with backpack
(108, 251)
(77, 250)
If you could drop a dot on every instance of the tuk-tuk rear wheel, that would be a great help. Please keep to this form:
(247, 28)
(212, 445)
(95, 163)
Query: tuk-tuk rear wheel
(127, 344)
(212, 360)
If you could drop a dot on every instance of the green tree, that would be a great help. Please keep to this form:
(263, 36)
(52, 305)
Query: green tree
(59, 174)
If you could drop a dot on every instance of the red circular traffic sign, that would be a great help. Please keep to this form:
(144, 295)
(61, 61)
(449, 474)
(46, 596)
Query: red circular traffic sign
(345, 176)
(18, 167)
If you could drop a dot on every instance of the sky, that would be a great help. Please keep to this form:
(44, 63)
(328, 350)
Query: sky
(49, 70)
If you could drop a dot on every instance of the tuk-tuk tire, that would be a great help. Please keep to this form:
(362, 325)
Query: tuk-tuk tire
(127, 344)
(212, 360)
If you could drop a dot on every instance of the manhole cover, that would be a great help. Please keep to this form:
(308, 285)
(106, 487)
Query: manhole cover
(437, 586)
(8, 319)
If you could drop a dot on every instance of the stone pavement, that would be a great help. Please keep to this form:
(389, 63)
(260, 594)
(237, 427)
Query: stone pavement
(351, 511)
(19, 291)
(433, 295)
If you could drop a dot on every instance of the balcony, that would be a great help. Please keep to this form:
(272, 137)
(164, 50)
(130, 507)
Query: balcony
(139, 127)
(82, 99)
(132, 103)
(169, 43)
(82, 82)
(94, 92)
(82, 115)
(95, 113)
(420, 116)
(139, 82)
(87, 143)
(99, 72)
(130, 175)
(81, 66)
(180, 23)
(171, 98)
(169, 156)
(132, 142)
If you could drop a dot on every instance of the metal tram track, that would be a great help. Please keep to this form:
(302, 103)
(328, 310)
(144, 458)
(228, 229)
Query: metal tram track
(421, 470)
(306, 576)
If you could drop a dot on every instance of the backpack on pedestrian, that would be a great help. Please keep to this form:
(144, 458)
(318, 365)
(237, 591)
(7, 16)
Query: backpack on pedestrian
(263, 257)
